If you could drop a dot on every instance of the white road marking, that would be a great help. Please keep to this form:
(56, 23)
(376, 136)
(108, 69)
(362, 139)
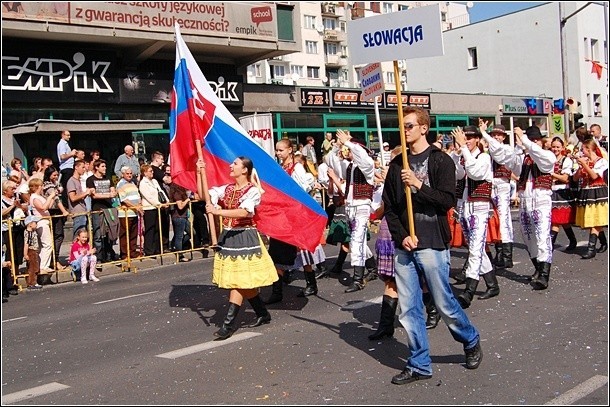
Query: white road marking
(362, 304)
(33, 392)
(123, 298)
(207, 345)
(580, 391)
(13, 319)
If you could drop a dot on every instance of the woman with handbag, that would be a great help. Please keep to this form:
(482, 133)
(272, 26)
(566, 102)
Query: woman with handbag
(153, 197)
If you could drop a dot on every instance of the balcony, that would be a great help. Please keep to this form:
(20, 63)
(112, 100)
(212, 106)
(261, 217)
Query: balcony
(335, 60)
(329, 9)
(357, 13)
(334, 36)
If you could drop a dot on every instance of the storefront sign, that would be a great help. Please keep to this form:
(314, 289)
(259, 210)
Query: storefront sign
(315, 97)
(352, 98)
(408, 99)
(531, 106)
(252, 21)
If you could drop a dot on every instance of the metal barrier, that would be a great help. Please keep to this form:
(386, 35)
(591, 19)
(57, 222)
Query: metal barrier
(127, 264)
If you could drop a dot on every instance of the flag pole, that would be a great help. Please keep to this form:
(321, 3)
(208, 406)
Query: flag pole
(403, 143)
(202, 187)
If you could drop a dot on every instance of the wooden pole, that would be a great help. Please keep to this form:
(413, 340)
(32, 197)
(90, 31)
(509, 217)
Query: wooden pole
(202, 190)
(403, 143)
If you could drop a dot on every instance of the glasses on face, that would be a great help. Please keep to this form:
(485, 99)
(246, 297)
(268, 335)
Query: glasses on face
(410, 126)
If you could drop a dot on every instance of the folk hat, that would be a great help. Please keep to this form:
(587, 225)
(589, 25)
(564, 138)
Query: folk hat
(533, 133)
(471, 131)
(498, 128)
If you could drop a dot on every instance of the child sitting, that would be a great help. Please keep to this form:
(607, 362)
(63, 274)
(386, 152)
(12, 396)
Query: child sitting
(82, 255)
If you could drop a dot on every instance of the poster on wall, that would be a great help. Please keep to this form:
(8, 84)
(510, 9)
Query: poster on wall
(260, 128)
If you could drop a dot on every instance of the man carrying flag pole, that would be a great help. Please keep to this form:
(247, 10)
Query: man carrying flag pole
(286, 212)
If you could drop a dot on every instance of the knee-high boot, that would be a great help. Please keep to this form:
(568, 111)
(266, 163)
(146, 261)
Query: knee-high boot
(386, 319)
(603, 243)
(433, 315)
(357, 281)
(311, 286)
(460, 278)
(276, 293)
(536, 269)
(228, 326)
(465, 298)
(337, 268)
(492, 286)
(262, 315)
(498, 260)
(507, 253)
(591, 250)
(371, 269)
(542, 282)
(553, 238)
(571, 237)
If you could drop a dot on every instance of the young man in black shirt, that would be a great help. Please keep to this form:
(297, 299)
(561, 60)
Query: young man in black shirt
(100, 200)
(431, 177)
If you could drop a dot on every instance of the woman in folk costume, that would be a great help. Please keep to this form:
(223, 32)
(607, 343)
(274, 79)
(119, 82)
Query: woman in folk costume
(242, 264)
(564, 211)
(474, 177)
(592, 202)
(283, 254)
(533, 165)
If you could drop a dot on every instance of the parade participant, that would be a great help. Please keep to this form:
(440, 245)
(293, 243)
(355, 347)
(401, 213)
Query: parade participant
(284, 254)
(473, 191)
(500, 195)
(533, 165)
(431, 177)
(360, 175)
(592, 202)
(242, 264)
(563, 212)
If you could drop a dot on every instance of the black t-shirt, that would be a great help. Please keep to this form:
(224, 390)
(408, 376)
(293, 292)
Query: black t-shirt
(158, 173)
(102, 186)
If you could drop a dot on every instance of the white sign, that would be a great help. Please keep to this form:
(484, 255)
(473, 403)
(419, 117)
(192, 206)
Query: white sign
(414, 33)
(260, 128)
(372, 81)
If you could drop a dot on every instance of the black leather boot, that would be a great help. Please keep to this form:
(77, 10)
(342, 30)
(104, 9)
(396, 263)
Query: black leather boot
(433, 315)
(276, 293)
(591, 250)
(542, 282)
(465, 298)
(460, 278)
(386, 320)
(262, 315)
(603, 243)
(507, 252)
(498, 260)
(311, 286)
(337, 268)
(571, 237)
(371, 269)
(553, 238)
(357, 281)
(492, 286)
(536, 269)
(228, 326)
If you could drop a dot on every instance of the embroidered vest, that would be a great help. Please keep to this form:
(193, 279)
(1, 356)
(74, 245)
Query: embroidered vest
(477, 190)
(362, 189)
(500, 171)
(586, 181)
(231, 201)
(541, 181)
(557, 170)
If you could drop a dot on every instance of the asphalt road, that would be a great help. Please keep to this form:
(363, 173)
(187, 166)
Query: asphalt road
(146, 338)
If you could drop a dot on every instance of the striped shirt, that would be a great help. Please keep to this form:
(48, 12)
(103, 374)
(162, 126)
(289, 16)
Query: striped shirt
(128, 191)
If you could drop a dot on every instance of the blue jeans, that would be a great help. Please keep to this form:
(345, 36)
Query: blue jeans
(180, 226)
(434, 266)
(78, 222)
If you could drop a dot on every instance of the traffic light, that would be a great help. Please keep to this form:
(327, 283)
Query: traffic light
(576, 119)
(573, 104)
(575, 115)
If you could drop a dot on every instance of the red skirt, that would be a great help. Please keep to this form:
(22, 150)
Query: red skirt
(457, 234)
(493, 229)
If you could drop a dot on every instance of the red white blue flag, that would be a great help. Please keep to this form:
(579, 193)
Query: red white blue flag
(286, 212)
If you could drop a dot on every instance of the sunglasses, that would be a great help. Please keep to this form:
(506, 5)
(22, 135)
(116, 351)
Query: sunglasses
(410, 126)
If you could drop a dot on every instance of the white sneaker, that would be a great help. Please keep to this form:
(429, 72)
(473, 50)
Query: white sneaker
(84, 281)
(94, 278)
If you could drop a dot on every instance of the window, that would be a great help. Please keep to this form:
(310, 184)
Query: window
(298, 69)
(311, 47)
(255, 70)
(344, 50)
(387, 8)
(389, 77)
(343, 26)
(279, 71)
(594, 50)
(330, 48)
(343, 74)
(310, 22)
(375, 7)
(329, 23)
(472, 58)
(587, 49)
(313, 72)
(402, 7)
(284, 22)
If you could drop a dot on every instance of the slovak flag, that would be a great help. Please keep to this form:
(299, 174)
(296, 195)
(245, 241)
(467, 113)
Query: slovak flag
(286, 212)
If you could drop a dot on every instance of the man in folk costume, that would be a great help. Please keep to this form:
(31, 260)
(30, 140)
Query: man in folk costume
(500, 194)
(533, 165)
(474, 175)
(360, 176)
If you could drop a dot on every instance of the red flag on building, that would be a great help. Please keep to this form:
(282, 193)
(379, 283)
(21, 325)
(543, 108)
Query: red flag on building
(597, 69)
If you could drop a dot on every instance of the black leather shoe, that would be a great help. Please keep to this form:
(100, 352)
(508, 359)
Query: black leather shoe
(405, 377)
(13, 291)
(474, 356)
(307, 291)
(602, 248)
(355, 286)
(432, 320)
(261, 321)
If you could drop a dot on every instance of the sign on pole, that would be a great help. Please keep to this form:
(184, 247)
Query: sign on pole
(371, 81)
(413, 33)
